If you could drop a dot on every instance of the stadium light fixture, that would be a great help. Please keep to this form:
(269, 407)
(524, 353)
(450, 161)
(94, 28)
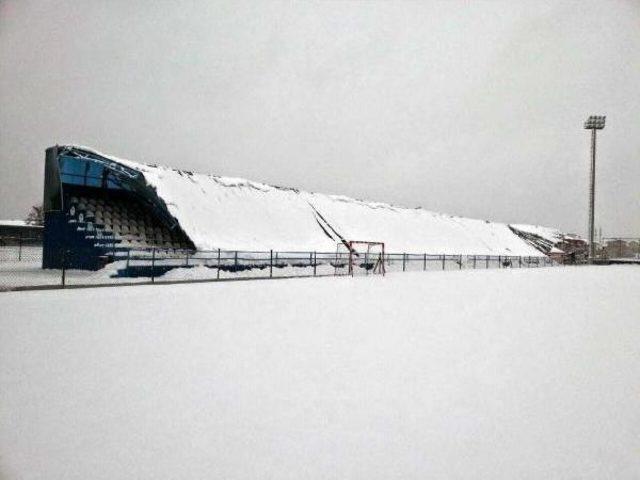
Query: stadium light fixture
(593, 123)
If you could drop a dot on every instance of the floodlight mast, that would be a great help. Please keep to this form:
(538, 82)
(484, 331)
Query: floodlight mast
(593, 123)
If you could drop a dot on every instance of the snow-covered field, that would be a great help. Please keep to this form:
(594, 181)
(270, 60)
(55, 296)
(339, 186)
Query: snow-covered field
(474, 374)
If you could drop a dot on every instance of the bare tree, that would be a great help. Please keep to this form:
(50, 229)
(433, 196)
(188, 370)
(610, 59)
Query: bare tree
(36, 215)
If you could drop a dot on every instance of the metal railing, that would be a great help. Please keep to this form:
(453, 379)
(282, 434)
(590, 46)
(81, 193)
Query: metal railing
(21, 266)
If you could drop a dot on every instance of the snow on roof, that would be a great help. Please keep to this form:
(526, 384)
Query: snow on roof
(234, 213)
(17, 223)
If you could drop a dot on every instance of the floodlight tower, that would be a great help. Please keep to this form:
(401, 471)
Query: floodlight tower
(593, 123)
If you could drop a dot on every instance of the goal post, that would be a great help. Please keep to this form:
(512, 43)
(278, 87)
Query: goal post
(361, 256)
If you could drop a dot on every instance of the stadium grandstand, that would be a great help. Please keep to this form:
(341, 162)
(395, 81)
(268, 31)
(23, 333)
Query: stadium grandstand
(99, 208)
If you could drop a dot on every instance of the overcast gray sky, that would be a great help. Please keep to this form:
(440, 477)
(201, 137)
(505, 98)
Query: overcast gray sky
(470, 108)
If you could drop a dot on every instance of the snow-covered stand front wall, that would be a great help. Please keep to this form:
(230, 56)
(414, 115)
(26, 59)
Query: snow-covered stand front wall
(134, 205)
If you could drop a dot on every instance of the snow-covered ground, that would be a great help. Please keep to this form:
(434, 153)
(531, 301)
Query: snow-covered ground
(13, 223)
(495, 374)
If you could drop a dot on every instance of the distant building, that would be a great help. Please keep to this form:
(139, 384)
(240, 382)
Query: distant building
(621, 247)
(12, 232)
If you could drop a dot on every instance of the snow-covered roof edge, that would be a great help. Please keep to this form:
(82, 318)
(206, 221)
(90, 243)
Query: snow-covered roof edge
(18, 223)
(258, 216)
(243, 182)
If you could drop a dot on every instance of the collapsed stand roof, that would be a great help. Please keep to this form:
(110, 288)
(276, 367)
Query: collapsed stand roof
(233, 213)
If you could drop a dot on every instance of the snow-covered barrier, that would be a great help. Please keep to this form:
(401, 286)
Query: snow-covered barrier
(232, 213)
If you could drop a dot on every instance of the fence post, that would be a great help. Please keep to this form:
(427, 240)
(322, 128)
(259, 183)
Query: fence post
(153, 265)
(474, 262)
(218, 272)
(270, 263)
(520, 261)
(235, 261)
(404, 261)
(187, 260)
(64, 267)
(315, 262)
(366, 263)
(486, 261)
(424, 262)
(128, 257)
(443, 260)
(499, 261)
(460, 262)
(20, 247)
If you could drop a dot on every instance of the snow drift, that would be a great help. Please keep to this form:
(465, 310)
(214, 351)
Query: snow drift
(233, 213)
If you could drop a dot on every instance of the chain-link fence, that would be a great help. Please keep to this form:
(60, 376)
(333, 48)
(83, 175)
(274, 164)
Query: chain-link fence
(21, 266)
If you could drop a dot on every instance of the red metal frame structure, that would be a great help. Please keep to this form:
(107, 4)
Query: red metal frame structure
(351, 245)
